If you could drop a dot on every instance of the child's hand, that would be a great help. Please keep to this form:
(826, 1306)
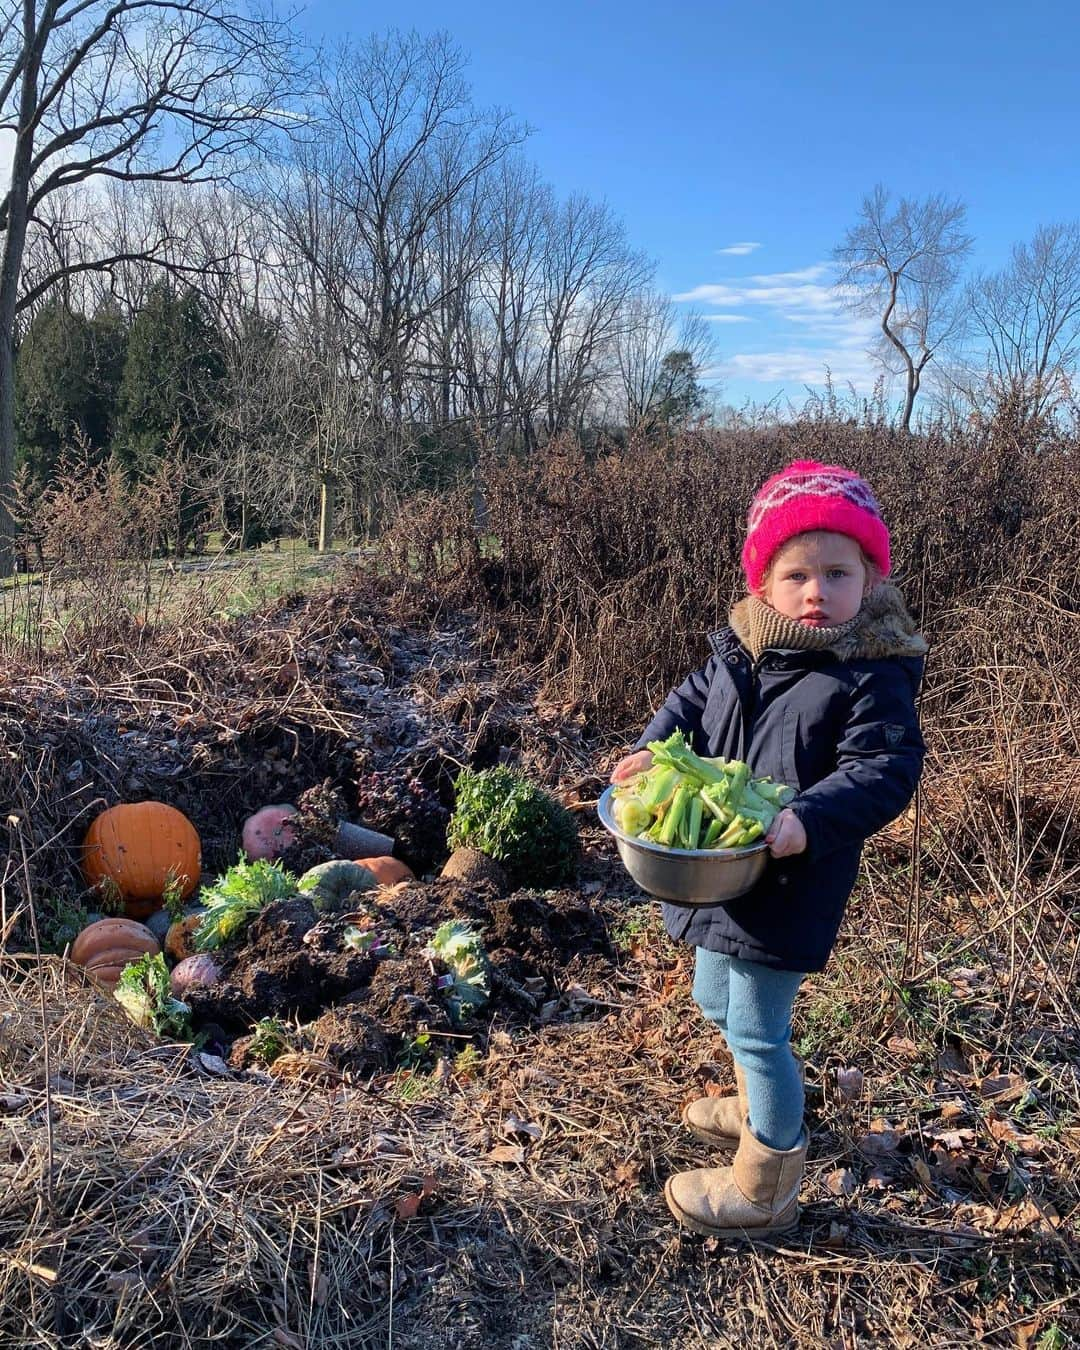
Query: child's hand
(630, 765)
(786, 835)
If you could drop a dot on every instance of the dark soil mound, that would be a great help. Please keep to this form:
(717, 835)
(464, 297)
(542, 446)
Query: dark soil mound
(363, 1010)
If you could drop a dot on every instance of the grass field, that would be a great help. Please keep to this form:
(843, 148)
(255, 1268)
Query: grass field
(45, 611)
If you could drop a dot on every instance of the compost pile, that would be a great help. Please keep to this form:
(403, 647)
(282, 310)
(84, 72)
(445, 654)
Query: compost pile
(359, 1013)
(320, 701)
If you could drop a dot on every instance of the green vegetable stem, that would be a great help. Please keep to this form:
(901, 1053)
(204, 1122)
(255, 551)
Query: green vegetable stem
(685, 801)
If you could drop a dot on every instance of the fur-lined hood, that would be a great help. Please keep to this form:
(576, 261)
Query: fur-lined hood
(884, 627)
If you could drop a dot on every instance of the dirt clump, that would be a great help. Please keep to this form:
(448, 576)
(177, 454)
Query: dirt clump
(363, 985)
(350, 1037)
(289, 964)
(469, 865)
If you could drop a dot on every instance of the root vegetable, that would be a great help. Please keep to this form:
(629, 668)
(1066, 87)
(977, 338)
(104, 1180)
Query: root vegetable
(198, 969)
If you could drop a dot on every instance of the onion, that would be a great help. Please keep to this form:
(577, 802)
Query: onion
(199, 969)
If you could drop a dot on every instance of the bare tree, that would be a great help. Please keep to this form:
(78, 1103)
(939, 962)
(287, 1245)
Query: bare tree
(412, 144)
(505, 327)
(132, 90)
(652, 332)
(590, 274)
(1028, 315)
(902, 265)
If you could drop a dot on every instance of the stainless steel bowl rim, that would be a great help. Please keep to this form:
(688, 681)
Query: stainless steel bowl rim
(603, 810)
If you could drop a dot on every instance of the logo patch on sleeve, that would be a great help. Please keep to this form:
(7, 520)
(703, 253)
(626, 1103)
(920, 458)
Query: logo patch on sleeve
(893, 734)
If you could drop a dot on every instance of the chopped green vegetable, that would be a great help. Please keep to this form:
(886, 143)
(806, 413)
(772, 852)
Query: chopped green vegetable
(686, 801)
(632, 815)
(236, 897)
(143, 992)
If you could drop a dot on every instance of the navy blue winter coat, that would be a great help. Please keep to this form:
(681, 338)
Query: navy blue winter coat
(839, 726)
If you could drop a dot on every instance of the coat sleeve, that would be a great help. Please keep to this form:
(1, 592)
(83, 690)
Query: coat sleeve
(682, 709)
(878, 763)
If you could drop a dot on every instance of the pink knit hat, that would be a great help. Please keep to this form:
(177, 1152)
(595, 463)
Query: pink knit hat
(811, 496)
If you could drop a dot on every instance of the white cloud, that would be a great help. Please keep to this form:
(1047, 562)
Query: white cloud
(804, 323)
(812, 273)
(801, 366)
(739, 250)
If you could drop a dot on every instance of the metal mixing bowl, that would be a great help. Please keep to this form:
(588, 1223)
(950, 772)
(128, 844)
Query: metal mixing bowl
(686, 876)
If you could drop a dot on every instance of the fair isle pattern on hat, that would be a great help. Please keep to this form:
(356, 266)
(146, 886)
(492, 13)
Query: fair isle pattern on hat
(810, 496)
(821, 481)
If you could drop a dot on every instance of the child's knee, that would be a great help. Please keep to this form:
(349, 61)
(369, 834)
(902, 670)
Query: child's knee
(710, 990)
(712, 1010)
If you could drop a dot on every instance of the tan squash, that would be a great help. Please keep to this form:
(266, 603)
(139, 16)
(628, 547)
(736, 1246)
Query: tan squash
(104, 948)
(141, 848)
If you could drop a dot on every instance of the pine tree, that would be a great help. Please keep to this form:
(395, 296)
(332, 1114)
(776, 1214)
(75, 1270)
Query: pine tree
(67, 373)
(173, 368)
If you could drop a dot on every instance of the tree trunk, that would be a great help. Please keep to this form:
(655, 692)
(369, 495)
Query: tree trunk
(326, 512)
(10, 269)
(909, 404)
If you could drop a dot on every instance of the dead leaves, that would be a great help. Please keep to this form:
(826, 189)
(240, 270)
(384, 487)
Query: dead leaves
(841, 1183)
(1026, 1215)
(512, 1125)
(505, 1153)
(408, 1206)
(1006, 1131)
(1004, 1087)
(880, 1141)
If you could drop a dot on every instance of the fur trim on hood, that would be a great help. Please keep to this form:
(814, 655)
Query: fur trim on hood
(883, 627)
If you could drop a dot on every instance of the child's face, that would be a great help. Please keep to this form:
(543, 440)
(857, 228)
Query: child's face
(818, 578)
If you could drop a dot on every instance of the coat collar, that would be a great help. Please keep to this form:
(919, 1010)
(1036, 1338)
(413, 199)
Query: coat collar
(885, 629)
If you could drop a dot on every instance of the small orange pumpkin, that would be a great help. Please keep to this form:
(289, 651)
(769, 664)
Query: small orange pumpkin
(179, 940)
(104, 948)
(387, 871)
(140, 848)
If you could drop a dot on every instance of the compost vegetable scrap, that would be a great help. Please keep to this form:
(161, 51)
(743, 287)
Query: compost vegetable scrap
(689, 801)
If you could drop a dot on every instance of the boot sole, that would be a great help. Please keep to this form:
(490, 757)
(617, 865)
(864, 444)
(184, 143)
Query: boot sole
(783, 1223)
(717, 1140)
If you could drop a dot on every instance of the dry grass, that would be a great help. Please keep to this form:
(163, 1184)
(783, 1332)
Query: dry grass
(187, 1208)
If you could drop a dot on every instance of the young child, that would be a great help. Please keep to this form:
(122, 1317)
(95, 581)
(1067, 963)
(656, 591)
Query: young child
(814, 683)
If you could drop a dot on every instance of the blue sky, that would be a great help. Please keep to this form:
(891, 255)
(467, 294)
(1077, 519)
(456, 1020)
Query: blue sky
(712, 125)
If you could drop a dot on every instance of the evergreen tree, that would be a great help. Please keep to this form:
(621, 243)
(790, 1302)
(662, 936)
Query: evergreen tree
(172, 371)
(67, 374)
(678, 395)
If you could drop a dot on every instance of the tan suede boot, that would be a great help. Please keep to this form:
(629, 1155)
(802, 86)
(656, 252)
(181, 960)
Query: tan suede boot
(719, 1120)
(757, 1196)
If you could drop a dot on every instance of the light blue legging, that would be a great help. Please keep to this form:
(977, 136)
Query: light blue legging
(751, 1004)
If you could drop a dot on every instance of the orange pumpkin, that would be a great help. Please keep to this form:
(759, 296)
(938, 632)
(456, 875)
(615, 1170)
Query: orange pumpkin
(141, 848)
(387, 871)
(104, 948)
(180, 938)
